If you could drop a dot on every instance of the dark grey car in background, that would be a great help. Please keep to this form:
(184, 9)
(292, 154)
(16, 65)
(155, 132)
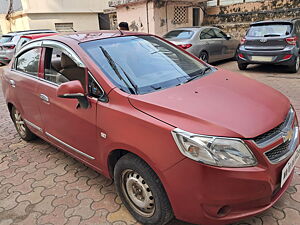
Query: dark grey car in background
(208, 43)
(271, 42)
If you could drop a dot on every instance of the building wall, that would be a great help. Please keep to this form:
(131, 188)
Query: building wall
(63, 6)
(236, 18)
(81, 21)
(136, 16)
(160, 17)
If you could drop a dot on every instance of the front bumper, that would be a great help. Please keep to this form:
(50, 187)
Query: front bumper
(203, 194)
(276, 57)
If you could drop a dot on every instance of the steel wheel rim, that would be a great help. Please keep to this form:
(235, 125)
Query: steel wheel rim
(137, 193)
(203, 57)
(20, 124)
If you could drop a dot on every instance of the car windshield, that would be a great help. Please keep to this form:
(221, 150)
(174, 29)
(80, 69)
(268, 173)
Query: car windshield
(143, 64)
(5, 39)
(269, 30)
(179, 34)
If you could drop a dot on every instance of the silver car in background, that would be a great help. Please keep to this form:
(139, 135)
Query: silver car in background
(208, 43)
(9, 41)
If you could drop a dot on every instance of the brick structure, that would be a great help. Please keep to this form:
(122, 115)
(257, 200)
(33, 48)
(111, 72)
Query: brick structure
(235, 18)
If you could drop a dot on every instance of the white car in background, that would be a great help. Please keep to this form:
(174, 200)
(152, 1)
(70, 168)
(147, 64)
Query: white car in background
(8, 43)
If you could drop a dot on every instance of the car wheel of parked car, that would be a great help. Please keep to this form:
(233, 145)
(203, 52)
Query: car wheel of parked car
(141, 191)
(204, 56)
(21, 126)
(242, 66)
(295, 67)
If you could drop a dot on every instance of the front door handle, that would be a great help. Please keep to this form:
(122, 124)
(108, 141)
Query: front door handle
(44, 97)
(12, 83)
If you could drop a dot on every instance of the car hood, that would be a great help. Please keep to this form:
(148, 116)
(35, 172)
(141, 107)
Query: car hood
(221, 104)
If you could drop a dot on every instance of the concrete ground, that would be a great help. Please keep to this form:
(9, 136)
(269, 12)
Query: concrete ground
(41, 185)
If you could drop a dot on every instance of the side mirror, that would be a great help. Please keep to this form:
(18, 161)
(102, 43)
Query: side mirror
(228, 37)
(73, 90)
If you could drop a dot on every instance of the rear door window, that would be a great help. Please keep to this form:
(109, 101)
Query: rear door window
(28, 62)
(208, 34)
(5, 38)
(270, 30)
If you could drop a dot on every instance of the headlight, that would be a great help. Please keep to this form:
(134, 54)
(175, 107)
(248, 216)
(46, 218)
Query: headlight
(216, 151)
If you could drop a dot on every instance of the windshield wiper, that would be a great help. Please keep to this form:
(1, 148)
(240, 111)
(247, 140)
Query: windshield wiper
(202, 72)
(113, 65)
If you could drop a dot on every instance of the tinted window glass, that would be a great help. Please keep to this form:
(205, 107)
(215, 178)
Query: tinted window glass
(142, 63)
(28, 62)
(60, 68)
(269, 30)
(207, 34)
(180, 34)
(219, 34)
(5, 39)
(94, 89)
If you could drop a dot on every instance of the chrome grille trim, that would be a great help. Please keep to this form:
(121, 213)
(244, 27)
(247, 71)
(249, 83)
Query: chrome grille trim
(276, 133)
(289, 148)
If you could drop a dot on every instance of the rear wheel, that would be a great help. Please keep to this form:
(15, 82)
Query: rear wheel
(141, 191)
(295, 67)
(204, 56)
(21, 126)
(242, 66)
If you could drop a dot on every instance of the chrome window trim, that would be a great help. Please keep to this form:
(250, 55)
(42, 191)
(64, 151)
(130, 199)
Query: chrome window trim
(292, 146)
(28, 46)
(33, 125)
(26, 74)
(65, 49)
(69, 146)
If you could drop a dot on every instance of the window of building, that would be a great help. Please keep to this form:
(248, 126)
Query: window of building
(64, 27)
(28, 62)
(180, 14)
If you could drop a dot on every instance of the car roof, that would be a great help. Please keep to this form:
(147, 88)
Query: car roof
(196, 28)
(35, 36)
(93, 35)
(287, 21)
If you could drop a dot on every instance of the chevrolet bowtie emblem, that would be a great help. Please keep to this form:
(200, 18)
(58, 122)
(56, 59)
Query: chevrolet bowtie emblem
(288, 136)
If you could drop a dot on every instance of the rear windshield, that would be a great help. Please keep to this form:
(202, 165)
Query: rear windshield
(270, 30)
(180, 34)
(5, 39)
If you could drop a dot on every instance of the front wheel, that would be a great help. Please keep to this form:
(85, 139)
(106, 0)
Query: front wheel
(204, 56)
(21, 126)
(141, 191)
(295, 67)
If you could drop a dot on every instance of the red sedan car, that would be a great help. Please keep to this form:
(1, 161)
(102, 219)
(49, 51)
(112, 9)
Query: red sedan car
(180, 138)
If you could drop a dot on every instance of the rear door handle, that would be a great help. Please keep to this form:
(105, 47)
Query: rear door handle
(12, 83)
(44, 97)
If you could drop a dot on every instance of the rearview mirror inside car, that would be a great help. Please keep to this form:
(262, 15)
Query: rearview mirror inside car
(73, 90)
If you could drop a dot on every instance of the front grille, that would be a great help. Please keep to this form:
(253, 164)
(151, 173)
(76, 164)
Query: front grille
(264, 139)
(275, 154)
(268, 135)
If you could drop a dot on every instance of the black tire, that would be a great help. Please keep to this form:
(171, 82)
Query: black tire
(136, 183)
(295, 67)
(242, 66)
(21, 126)
(204, 56)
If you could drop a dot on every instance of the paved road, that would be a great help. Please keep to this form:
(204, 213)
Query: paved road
(41, 185)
